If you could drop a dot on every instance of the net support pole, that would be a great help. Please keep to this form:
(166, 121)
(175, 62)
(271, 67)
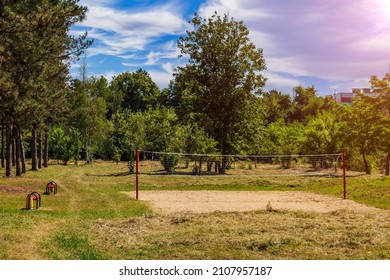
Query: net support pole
(136, 173)
(344, 175)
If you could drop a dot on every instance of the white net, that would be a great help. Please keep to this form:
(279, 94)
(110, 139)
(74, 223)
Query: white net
(158, 163)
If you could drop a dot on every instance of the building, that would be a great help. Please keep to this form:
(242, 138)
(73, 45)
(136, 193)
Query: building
(347, 97)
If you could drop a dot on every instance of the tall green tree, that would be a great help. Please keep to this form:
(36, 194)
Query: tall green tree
(306, 104)
(381, 87)
(35, 52)
(134, 91)
(282, 139)
(321, 134)
(277, 106)
(363, 128)
(128, 134)
(88, 109)
(222, 79)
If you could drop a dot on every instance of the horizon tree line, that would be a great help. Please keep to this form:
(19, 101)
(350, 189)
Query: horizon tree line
(214, 104)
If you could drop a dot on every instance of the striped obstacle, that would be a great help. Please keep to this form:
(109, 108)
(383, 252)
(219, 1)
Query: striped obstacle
(33, 201)
(51, 187)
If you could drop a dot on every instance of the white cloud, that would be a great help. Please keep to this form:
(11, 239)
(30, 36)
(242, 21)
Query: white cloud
(125, 30)
(168, 67)
(343, 42)
(161, 78)
(153, 58)
(279, 82)
(109, 75)
(329, 39)
(132, 65)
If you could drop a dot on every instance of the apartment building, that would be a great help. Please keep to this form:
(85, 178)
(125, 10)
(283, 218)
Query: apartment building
(347, 97)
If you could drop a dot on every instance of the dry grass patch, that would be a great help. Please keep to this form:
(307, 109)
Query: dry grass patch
(248, 235)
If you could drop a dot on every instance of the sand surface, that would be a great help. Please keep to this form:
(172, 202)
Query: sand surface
(228, 201)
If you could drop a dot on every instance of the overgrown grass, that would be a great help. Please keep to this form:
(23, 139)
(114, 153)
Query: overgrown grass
(86, 193)
(92, 218)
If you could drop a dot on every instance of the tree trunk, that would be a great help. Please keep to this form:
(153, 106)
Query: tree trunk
(366, 167)
(34, 159)
(222, 169)
(88, 153)
(8, 152)
(46, 149)
(209, 166)
(18, 153)
(387, 172)
(39, 150)
(13, 150)
(22, 153)
(2, 144)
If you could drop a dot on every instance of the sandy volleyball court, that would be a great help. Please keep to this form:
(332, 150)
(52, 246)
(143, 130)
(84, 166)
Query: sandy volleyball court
(227, 201)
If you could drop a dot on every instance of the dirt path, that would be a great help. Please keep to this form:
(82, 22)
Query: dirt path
(227, 201)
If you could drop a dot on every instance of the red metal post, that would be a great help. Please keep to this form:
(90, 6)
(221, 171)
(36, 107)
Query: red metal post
(344, 176)
(136, 173)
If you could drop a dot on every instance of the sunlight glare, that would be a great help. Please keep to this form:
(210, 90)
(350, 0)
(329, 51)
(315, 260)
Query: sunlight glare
(385, 7)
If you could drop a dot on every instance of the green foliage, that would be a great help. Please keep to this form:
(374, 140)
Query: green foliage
(321, 135)
(221, 77)
(306, 104)
(362, 130)
(128, 134)
(134, 91)
(160, 129)
(215, 103)
(277, 106)
(169, 161)
(65, 146)
(283, 139)
(35, 52)
(382, 88)
(193, 140)
(88, 113)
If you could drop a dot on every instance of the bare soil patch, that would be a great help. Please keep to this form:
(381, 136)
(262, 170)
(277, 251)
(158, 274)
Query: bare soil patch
(230, 201)
(13, 190)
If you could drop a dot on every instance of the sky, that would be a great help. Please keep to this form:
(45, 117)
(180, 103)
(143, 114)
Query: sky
(332, 45)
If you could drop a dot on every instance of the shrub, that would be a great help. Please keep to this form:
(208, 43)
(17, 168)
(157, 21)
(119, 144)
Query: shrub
(169, 162)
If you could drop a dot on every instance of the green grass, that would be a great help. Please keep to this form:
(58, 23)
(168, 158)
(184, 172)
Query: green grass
(91, 217)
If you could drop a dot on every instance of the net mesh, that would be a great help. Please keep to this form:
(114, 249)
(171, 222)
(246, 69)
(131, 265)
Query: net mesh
(158, 163)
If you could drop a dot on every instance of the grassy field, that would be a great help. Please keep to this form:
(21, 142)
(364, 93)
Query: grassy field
(91, 218)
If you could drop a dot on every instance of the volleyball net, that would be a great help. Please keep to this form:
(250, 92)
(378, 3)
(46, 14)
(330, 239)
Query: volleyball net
(271, 165)
(212, 166)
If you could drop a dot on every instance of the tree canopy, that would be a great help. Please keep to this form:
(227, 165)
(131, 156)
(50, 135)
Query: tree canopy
(222, 77)
(214, 104)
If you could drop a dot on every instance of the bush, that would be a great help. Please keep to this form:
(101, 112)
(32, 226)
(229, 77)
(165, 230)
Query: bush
(169, 162)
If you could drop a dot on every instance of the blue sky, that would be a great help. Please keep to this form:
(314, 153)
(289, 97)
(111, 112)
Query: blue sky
(331, 44)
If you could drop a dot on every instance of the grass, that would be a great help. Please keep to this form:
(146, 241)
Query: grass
(92, 218)
(250, 235)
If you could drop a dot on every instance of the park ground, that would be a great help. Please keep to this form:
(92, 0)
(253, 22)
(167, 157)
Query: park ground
(94, 216)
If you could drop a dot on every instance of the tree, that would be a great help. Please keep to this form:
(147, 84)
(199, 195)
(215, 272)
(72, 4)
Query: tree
(363, 127)
(34, 54)
(191, 139)
(65, 146)
(88, 109)
(281, 138)
(277, 106)
(306, 104)
(135, 91)
(128, 134)
(160, 129)
(222, 80)
(321, 135)
(382, 88)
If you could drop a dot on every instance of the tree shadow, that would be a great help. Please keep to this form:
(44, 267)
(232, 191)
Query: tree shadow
(120, 174)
